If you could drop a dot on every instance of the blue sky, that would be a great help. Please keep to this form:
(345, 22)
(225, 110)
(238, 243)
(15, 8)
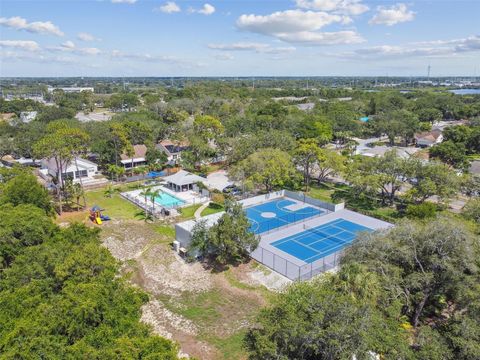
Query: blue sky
(239, 38)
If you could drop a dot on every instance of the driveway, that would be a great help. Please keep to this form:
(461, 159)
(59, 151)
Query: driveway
(218, 180)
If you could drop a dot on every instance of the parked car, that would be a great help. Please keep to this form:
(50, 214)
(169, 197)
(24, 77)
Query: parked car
(232, 189)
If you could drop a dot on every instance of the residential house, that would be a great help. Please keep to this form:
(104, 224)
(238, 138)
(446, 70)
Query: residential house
(27, 116)
(173, 150)
(7, 116)
(138, 159)
(429, 138)
(306, 107)
(75, 170)
(10, 161)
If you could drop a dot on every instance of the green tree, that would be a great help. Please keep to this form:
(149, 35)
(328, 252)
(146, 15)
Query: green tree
(329, 163)
(229, 241)
(268, 167)
(21, 226)
(432, 179)
(384, 174)
(305, 156)
(25, 189)
(453, 154)
(418, 265)
(472, 210)
(334, 317)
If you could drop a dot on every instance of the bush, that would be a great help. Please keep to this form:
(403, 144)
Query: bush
(218, 198)
(472, 210)
(421, 211)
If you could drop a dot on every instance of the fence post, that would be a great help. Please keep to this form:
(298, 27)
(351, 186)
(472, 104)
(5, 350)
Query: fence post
(299, 273)
(262, 254)
(311, 270)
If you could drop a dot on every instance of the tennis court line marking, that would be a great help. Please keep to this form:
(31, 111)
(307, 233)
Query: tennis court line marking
(321, 254)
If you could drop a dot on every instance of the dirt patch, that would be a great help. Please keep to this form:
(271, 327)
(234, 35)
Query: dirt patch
(161, 319)
(164, 272)
(175, 327)
(127, 239)
(203, 311)
(270, 279)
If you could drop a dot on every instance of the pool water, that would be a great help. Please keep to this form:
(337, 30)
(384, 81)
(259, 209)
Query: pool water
(168, 201)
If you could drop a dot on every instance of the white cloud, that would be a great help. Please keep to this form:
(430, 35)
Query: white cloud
(426, 49)
(251, 46)
(35, 58)
(27, 45)
(120, 55)
(286, 21)
(322, 38)
(392, 15)
(69, 46)
(168, 8)
(224, 57)
(347, 7)
(297, 26)
(84, 36)
(39, 27)
(124, 1)
(207, 9)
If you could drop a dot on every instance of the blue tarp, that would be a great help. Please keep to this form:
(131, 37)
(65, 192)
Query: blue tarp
(154, 174)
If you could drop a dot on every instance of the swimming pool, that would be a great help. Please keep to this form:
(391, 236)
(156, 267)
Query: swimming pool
(168, 201)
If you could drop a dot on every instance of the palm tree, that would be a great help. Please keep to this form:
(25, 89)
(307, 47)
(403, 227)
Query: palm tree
(145, 193)
(109, 191)
(154, 194)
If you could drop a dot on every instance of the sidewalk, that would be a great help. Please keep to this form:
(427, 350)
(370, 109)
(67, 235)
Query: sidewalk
(200, 209)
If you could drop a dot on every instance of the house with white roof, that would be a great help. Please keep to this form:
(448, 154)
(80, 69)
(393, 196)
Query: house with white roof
(27, 116)
(183, 181)
(76, 169)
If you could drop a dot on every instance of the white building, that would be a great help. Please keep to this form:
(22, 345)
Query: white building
(138, 159)
(86, 170)
(183, 181)
(173, 150)
(70, 89)
(429, 138)
(27, 116)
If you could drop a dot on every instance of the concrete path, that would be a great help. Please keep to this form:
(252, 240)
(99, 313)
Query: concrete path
(200, 209)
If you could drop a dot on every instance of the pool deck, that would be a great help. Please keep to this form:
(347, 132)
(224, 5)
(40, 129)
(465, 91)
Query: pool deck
(188, 197)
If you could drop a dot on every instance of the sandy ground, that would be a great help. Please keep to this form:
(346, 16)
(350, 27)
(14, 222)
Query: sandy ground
(148, 261)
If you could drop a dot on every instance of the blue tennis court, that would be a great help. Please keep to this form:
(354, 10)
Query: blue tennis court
(276, 213)
(316, 243)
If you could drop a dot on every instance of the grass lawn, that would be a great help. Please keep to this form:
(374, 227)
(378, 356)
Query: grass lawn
(230, 347)
(188, 212)
(324, 192)
(116, 207)
(167, 230)
(212, 208)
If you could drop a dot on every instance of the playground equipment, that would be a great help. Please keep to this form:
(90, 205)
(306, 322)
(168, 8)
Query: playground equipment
(96, 215)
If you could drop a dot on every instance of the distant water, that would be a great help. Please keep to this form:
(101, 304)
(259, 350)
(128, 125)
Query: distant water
(465, 91)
